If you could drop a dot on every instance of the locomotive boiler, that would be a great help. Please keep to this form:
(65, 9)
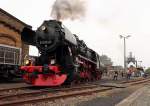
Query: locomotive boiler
(64, 58)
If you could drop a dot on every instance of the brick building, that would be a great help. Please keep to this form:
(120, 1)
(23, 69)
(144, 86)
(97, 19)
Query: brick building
(10, 29)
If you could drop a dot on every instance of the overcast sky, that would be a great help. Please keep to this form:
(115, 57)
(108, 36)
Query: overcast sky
(100, 28)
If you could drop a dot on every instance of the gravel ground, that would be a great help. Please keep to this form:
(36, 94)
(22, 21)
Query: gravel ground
(111, 98)
(139, 98)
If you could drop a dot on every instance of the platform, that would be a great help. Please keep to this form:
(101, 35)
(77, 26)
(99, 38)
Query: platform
(141, 97)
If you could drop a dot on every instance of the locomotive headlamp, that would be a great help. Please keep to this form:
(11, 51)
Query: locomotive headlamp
(43, 28)
(26, 62)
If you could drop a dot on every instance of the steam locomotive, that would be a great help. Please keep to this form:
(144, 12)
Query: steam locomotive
(64, 58)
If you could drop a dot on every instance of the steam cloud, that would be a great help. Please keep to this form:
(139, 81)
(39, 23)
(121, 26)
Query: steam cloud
(64, 9)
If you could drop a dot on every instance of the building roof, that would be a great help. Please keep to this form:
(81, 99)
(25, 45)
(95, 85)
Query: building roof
(11, 21)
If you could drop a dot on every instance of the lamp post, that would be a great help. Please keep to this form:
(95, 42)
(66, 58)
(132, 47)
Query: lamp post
(140, 65)
(124, 39)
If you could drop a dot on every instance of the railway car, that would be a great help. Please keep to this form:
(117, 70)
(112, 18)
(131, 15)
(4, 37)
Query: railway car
(9, 61)
(64, 58)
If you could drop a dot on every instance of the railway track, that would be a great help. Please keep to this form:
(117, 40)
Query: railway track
(135, 80)
(46, 95)
(50, 94)
(29, 93)
(13, 90)
(125, 84)
(138, 82)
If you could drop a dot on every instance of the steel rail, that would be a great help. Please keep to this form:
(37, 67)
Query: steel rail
(53, 96)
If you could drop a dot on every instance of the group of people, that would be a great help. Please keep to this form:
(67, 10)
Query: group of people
(116, 74)
(128, 74)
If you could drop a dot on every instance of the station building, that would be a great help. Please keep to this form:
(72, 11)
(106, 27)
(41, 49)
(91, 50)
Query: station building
(10, 29)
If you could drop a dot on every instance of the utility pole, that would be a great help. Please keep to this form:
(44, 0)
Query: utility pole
(125, 61)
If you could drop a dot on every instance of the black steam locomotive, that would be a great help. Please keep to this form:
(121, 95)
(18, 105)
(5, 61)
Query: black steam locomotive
(64, 58)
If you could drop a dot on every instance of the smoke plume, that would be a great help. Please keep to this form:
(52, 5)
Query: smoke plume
(64, 9)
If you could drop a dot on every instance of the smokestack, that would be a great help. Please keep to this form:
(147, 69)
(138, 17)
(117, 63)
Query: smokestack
(68, 9)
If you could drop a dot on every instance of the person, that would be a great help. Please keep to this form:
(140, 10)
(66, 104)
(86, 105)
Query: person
(116, 75)
(122, 74)
(128, 73)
